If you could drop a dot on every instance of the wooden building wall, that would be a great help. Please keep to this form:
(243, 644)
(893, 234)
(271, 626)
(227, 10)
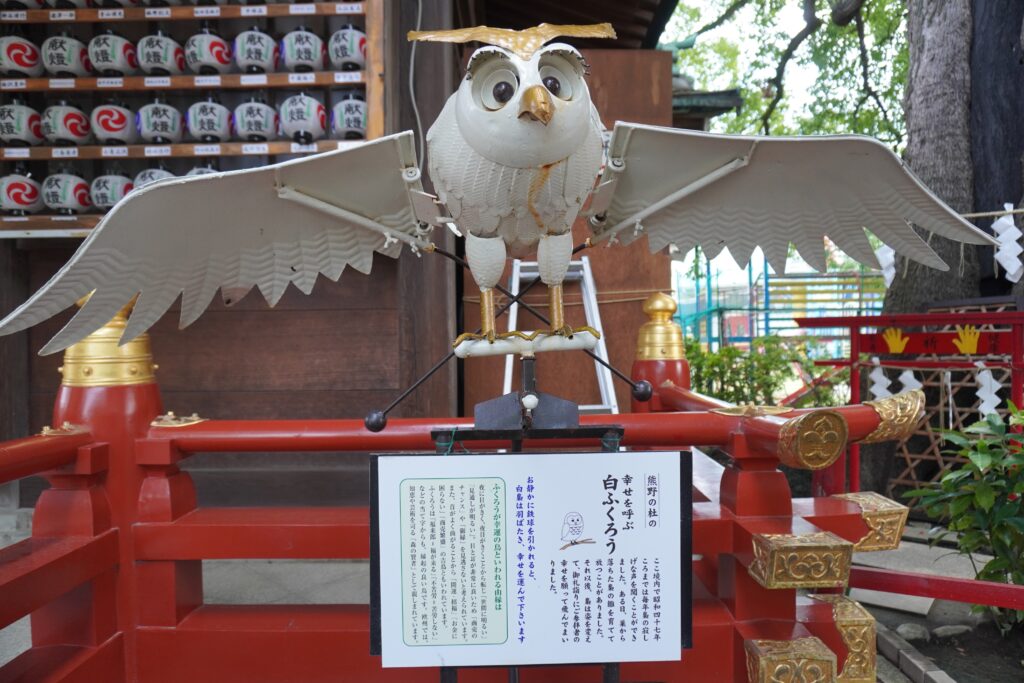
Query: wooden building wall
(348, 348)
(625, 85)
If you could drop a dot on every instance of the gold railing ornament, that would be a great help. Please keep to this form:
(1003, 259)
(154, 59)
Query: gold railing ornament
(98, 360)
(856, 626)
(660, 338)
(751, 410)
(812, 441)
(802, 660)
(898, 416)
(66, 429)
(169, 419)
(817, 560)
(885, 519)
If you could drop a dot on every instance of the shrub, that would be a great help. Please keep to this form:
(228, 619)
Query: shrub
(980, 501)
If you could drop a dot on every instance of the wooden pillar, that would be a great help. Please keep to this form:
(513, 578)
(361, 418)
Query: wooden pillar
(111, 391)
(14, 389)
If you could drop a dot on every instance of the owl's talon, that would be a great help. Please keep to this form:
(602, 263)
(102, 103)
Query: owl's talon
(568, 331)
(490, 336)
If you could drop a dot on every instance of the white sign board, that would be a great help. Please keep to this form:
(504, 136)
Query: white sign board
(530, 558)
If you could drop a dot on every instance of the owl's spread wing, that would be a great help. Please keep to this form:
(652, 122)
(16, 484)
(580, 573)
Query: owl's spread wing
(267, 227)
(688, 188)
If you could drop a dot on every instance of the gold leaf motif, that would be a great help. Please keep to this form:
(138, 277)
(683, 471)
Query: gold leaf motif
(65, 429)
(812, 441)
(524, 43)
(857, 628)
(898, 416)
(818, 560)
(885, 519)
(172, 420)
(750, 410)
(802, 660)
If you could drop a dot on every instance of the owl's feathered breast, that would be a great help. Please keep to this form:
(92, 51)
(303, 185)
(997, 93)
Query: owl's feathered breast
(519, 205)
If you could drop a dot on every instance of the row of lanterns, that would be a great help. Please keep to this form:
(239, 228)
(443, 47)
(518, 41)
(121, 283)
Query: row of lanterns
(67, 192)
(86, 4)
(300, 117)
(207, 53)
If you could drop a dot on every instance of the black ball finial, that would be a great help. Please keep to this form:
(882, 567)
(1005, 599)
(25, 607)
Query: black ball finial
(642, 391)
(376, 421)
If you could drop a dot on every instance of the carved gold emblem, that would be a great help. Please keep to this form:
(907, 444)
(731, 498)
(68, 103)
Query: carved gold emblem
(813, 440)
(898, 416)
(172, 420)
(885, 519)
(803, 660)
(857, 628)
(524, 43)
(818, 560)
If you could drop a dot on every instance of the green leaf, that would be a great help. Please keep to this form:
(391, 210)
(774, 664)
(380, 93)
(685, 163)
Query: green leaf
(955, 475)
(1016, 522)
(982, 460)
(956, 438)
(960, 505)
(984, 496)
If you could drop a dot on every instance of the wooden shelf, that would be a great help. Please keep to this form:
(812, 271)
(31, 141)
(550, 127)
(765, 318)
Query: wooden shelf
(84, 16)
(188, 150)
(16, 227)
(147, 83)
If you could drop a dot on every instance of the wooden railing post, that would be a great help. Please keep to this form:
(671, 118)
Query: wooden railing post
(111, 391)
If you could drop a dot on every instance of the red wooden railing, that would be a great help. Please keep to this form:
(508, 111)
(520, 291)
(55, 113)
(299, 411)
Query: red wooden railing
(112, 575)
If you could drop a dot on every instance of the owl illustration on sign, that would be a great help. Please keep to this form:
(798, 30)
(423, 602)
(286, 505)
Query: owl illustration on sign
(515, 156)
(572, 527)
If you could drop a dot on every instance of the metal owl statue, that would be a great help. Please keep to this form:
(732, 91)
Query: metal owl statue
(515, 157)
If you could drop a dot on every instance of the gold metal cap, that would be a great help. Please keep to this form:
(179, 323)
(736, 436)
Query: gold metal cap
(898, 416)
(660, 338)
(97, 360)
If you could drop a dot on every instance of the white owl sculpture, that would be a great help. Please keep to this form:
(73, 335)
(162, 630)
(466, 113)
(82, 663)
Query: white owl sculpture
(515, 156)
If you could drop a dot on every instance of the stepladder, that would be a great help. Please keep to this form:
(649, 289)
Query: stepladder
(579, 271)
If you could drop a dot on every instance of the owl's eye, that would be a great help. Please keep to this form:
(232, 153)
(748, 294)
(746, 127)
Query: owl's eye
(503, 91)
(498, 88)
(556, 81)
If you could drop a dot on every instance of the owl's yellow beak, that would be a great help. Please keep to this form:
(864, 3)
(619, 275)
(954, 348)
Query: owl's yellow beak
(536, 103)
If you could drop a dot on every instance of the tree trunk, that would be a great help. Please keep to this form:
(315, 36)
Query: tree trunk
(937, 103)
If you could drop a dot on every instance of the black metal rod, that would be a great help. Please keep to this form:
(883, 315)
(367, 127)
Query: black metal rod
(537, 314)
(512, 300)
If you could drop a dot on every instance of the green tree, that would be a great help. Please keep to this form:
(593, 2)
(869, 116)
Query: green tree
(857, 48)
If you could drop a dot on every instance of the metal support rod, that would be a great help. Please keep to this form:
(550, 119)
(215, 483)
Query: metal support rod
(514, 298)
(437, 366)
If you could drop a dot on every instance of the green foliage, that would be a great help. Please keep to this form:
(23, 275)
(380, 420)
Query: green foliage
(832, 97)
(739, 376)
(981, 502)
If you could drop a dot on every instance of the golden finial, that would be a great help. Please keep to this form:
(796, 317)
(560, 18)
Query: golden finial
(524, 43)
(98, 361)
(660, 338)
